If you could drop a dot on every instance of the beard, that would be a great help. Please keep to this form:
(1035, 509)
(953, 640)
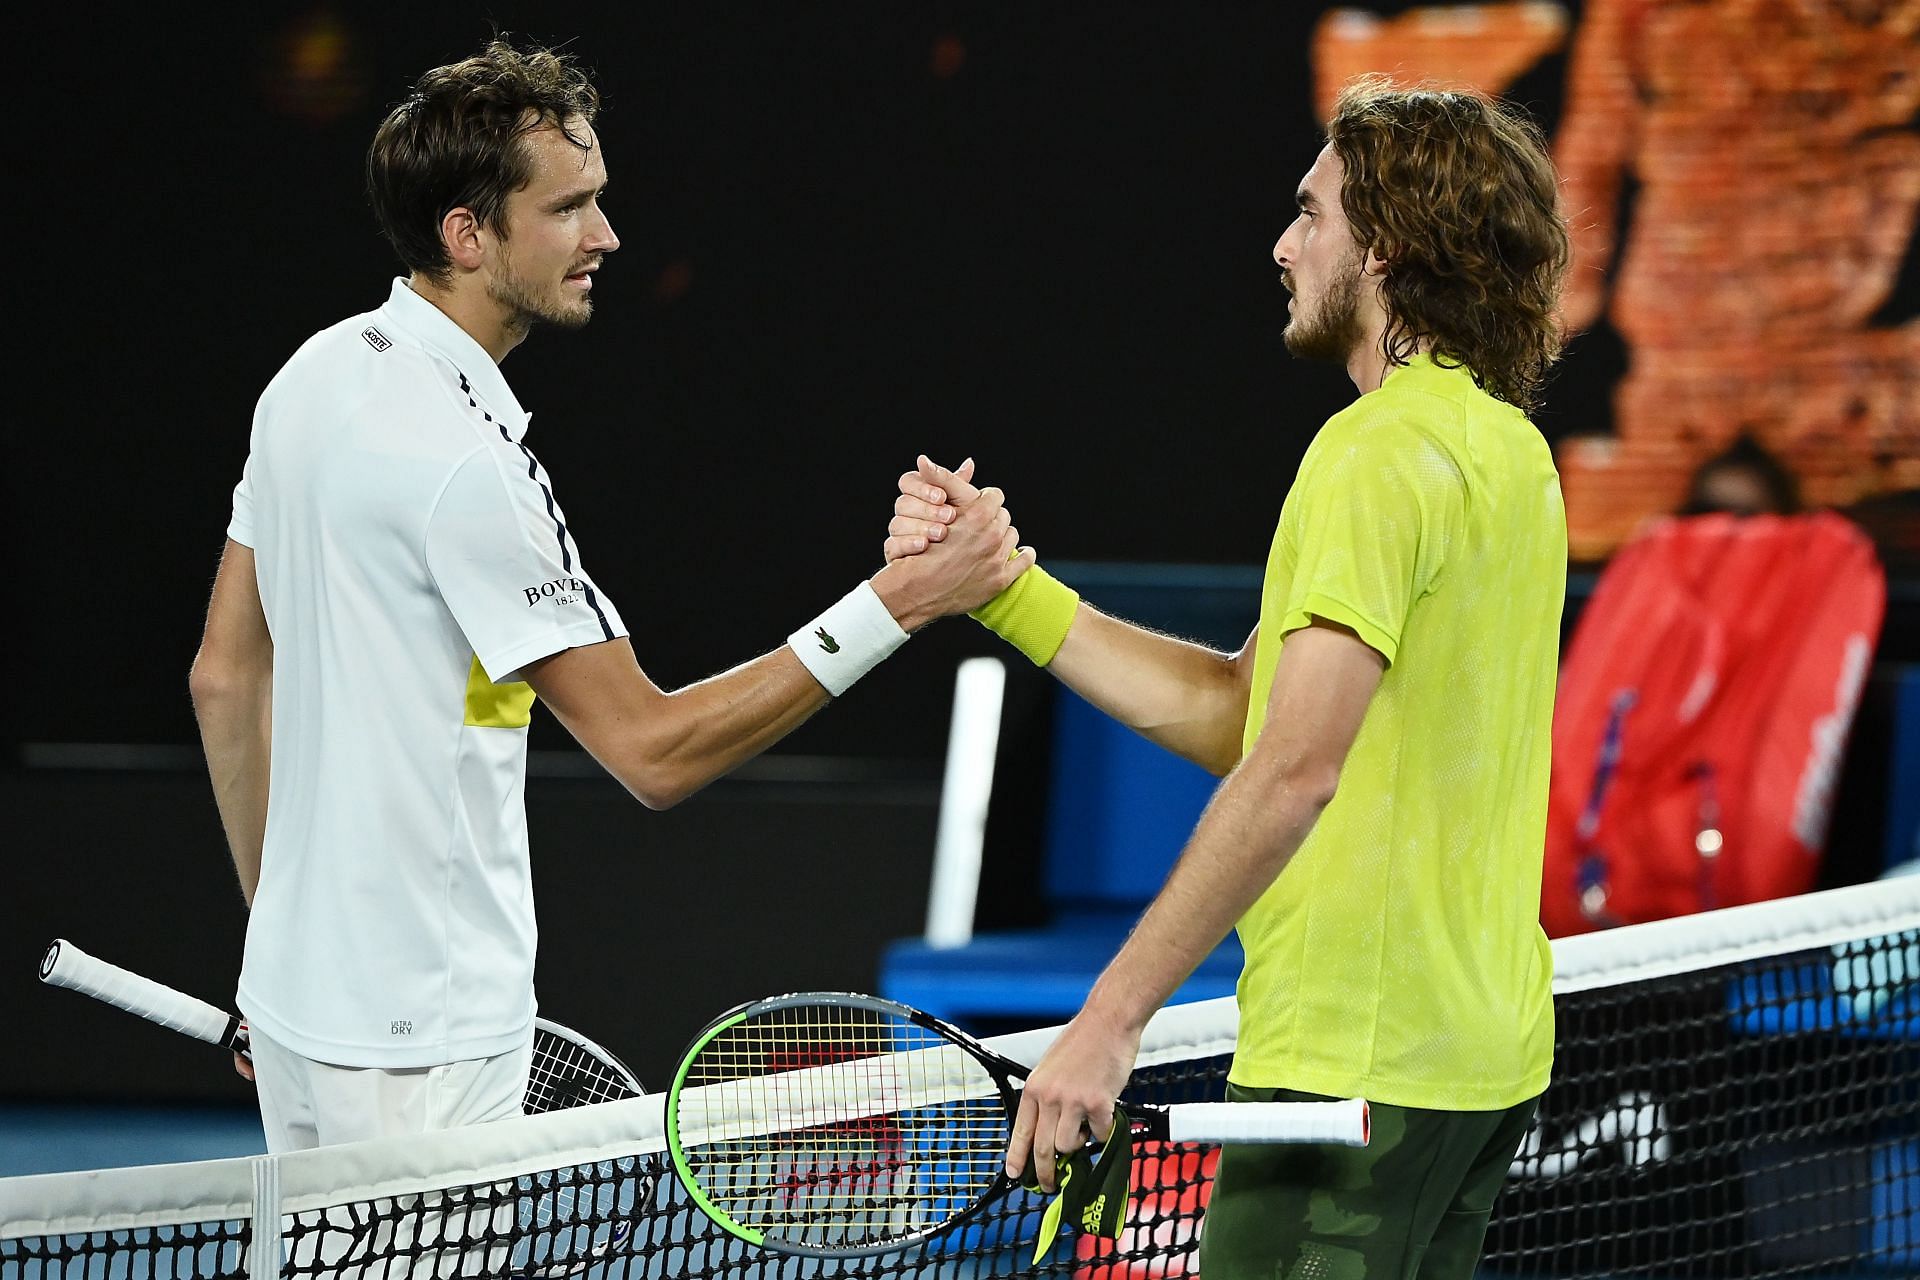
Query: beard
(528, 304)
(1334, 329)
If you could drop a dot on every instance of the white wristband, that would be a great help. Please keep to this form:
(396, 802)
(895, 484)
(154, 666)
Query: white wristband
(848, 640)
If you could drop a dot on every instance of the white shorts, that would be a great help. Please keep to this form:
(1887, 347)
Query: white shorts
(304, 1103)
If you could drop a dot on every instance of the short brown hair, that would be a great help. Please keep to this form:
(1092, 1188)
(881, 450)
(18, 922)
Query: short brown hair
(1456, 193)
(456, 141)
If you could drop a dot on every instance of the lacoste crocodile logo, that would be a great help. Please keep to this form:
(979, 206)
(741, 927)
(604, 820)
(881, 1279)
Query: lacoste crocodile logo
(827, 642)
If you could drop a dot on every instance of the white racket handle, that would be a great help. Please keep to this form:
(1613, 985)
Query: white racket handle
(1343, 1123)
(66, 965)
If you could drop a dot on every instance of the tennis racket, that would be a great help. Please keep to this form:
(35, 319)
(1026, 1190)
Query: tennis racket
(837, 1125)
(568, 1069)
(561, 1232)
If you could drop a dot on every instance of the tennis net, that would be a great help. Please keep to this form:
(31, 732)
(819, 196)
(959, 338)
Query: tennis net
(1735, 1093)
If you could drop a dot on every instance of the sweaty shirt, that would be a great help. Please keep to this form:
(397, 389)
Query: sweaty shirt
(1399, 955)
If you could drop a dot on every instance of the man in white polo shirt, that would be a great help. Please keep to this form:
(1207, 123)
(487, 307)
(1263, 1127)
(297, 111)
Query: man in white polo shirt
(398, 585)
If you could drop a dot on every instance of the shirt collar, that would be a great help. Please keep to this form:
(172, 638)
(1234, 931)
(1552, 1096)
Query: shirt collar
(436, 330)
(1420, 366)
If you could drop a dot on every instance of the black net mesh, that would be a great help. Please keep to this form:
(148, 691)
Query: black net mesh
(1758, 1119)
(191, 1249)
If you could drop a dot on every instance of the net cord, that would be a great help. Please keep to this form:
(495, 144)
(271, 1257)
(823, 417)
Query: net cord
(1663, 948)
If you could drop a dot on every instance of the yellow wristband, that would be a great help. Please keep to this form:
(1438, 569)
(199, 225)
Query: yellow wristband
(1032, 615)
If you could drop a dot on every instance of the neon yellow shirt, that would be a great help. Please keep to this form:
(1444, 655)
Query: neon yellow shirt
(1399, 956)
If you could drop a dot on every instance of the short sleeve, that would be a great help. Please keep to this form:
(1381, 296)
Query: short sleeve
(1371, 520)
(507, 568)
(240, 525)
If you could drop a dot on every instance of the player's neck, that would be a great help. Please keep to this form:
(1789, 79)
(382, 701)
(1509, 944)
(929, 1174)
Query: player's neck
(1367, 364)
(498, 329)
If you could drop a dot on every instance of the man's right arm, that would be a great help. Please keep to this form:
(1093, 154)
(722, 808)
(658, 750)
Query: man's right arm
(232, 686)
(665, 746)
(1185, 697)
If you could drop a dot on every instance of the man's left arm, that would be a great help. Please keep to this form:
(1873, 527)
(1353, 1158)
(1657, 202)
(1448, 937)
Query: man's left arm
(232, 687)
(1323, 682)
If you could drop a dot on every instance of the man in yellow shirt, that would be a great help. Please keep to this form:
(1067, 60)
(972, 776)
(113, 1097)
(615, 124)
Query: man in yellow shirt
(1384, 734)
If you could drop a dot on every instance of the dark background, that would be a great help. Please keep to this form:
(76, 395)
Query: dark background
(1054, 257)
(1057, 259)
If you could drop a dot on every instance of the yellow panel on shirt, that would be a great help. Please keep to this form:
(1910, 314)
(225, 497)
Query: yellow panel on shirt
(497, 706)
(1399, 955)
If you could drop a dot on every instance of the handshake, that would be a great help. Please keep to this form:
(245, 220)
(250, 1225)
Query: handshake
(950, 547)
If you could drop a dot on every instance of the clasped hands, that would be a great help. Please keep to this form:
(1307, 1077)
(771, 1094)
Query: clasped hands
(950, 547)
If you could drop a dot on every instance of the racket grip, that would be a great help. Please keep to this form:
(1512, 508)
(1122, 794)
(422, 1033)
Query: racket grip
(66, 965)
(1343, 1123)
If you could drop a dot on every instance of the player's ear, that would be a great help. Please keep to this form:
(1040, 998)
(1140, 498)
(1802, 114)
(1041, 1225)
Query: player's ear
(1372, 264)
(461, 233)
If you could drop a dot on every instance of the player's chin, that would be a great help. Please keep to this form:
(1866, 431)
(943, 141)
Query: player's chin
(573, 313)
(1304, 342)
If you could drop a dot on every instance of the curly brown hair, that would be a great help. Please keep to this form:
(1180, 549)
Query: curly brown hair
(1457, 195)
(456, 142)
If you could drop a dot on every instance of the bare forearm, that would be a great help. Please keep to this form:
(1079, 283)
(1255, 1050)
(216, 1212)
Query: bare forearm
(1244, 840)
(711, 728)
(236, 731)
(1188, 698)
(663, 747)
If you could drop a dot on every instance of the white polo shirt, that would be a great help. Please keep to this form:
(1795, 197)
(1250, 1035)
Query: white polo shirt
(411, 559)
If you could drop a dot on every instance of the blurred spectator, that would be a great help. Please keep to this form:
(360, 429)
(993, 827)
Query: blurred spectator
(1743, 179)
(1743, 480)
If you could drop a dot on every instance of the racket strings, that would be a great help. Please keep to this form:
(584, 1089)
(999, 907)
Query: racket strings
(578, 1218)
(566, 1074)
(839, 1127)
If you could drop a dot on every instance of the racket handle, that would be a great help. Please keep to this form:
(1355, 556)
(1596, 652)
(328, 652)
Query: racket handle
(66, 965)
(1343, 1123)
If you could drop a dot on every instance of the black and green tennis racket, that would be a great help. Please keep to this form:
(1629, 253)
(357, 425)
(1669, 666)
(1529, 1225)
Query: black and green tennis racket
(833, 1125)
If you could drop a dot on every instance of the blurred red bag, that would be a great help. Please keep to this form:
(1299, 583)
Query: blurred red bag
(1703, 710)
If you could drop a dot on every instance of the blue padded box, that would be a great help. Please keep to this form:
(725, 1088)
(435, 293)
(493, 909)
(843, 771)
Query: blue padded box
(1034, 976)
(1119, 811)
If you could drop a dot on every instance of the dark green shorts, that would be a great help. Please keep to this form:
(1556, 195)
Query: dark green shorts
(1414, 1202)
